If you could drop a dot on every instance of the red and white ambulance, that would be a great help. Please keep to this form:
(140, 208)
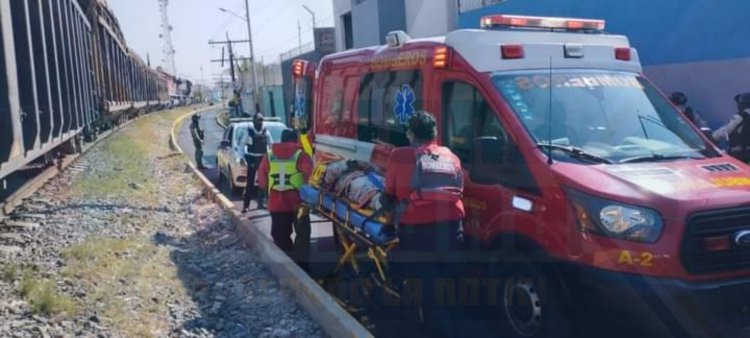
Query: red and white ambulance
(581, 178)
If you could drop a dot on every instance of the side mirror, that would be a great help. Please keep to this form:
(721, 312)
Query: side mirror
(225, 144)
(708, 133)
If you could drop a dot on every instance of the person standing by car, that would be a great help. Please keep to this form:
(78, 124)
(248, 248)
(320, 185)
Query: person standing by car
(197, 133)
(256, 145)
(737, 130)
(282, 173)
(424, 185)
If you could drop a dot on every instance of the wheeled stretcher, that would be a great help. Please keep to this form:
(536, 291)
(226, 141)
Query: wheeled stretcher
(358, 231)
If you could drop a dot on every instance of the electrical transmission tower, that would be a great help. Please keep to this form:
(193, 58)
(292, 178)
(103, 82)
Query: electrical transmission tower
(166, 34)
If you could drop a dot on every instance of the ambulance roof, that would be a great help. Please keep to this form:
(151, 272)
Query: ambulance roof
(539, 43)
(481, 48)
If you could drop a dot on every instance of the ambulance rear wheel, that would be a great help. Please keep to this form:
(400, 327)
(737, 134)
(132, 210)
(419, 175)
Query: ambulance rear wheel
(533, 303)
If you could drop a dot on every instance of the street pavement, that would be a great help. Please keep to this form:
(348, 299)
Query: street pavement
(322, 234)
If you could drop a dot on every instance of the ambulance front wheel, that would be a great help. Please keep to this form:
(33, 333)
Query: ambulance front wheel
(534, 303)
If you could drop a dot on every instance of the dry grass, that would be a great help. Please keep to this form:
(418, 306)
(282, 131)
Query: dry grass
(127, 279)
(131, 153)
(44, 298)
(124, 275)
(9, 273)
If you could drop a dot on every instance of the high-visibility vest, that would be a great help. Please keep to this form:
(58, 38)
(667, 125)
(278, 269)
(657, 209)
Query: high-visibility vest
(283, 174)
(306, 146)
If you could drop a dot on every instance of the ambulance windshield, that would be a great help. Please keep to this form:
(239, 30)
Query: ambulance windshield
(618, 117)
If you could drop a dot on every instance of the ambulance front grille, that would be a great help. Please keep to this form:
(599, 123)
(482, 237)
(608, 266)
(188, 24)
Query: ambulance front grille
(721, 226)
(720, 168)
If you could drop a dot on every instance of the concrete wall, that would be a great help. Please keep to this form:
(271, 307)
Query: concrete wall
(273, 101)
(366, 23)
(427, 18)
(373, 19)
(694, 46)
(340, 7)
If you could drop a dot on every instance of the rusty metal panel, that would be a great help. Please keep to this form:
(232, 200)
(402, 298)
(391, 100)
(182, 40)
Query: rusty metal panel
(51, 29)
(94, 93)
(10, 121)
(72, 67)
(41, 70)
(63, 59)
(81, 57)
(25, 70)
(76, 53)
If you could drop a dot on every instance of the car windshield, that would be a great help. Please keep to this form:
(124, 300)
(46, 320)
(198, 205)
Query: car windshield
(273, 129)
(615, 116)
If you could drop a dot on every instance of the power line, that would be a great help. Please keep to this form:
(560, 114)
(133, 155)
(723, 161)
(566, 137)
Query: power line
(225, 23)
(265, 24)
(276, 47)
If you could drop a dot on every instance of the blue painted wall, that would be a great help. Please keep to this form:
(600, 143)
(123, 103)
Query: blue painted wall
(664, 31)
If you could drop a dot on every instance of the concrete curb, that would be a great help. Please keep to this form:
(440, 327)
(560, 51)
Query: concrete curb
(321, 306)
(218, 121)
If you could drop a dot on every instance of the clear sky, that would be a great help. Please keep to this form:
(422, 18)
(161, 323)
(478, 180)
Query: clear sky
(197, 21)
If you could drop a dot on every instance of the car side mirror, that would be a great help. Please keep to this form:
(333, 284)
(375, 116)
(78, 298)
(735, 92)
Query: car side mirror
(225, 144)
(708, 133)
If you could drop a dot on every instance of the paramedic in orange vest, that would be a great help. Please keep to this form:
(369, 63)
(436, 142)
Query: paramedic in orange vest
(425, 184)
(282, 172)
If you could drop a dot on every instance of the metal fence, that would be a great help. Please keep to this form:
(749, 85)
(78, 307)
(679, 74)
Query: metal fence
(292, 53)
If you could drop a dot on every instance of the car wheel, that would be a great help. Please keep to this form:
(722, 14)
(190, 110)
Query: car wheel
(532, 301)
(233, 190)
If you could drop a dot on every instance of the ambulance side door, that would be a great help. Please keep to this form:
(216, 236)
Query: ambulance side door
(474, 132)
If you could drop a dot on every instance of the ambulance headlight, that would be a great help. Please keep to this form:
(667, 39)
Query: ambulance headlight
(614, 219)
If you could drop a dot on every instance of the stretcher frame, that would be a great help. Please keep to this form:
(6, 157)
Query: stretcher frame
(356, 245)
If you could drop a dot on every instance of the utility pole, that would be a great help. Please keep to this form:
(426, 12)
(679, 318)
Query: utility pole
(265, 79)
(255, 95)
(299, 35)
(231, 60)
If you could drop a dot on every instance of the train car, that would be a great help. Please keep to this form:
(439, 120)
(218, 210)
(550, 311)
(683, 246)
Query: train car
(64, 69)
(127, 85)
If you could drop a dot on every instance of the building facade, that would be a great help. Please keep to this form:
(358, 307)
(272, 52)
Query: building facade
(693, 46)
(363, 23)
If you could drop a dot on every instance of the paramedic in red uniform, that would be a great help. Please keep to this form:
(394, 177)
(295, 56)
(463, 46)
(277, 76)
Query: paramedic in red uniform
(281, 174)
(425, 184)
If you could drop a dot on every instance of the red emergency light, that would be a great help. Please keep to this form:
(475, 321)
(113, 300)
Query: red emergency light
(441, 60)
(623, 53)
(298, 68)
(520, 21)
(512, 51)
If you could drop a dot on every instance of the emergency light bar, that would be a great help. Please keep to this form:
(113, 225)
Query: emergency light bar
(520, 21)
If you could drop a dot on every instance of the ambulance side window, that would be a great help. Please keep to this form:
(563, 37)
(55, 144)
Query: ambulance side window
(386, 101)
(471, 125)
(458, 106)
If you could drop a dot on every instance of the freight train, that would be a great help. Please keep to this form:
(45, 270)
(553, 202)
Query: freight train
(66, 72)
